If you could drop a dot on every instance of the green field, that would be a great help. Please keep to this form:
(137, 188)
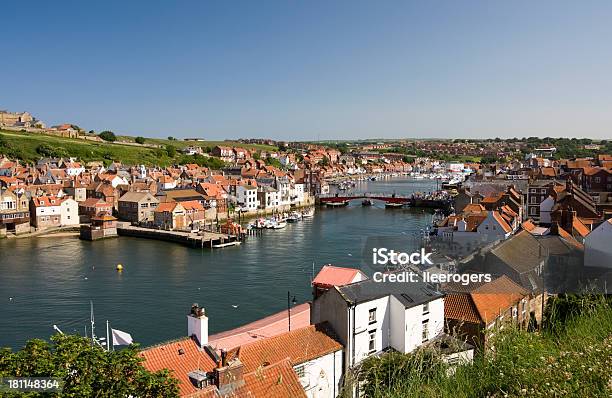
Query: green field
(29, 147)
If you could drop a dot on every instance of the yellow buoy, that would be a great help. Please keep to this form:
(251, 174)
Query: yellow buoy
(119, 267)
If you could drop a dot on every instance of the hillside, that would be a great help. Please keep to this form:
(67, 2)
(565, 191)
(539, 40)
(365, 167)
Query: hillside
(29, 147)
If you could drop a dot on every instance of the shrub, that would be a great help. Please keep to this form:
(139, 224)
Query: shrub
(108, 136)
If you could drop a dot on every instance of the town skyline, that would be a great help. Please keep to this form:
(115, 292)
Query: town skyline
(316, 70)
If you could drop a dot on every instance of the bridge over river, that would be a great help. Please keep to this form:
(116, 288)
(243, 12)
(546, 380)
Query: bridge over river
(340, 199)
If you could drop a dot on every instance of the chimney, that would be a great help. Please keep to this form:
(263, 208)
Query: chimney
(197, 325)
(230, 377)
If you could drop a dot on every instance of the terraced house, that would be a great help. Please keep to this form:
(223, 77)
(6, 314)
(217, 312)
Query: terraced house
(14, 212)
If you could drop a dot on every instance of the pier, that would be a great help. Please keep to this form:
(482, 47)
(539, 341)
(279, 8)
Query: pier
(202, 239)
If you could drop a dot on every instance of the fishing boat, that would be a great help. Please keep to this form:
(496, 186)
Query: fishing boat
(366, 202)
(391, 205)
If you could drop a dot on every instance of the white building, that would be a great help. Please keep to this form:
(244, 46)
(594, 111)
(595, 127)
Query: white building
(370, 317)
(545, 210)
(268, 197)
(297, 193)
(598, 246)
(69, 212)
(246, 195)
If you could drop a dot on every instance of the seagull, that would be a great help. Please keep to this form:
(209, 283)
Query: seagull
(198, 288)
(10, 299)
(350, 255)
(85, 278)
(234, 305)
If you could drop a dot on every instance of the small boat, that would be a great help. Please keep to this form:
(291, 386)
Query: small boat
(227, 244)
(390, 205)
(308, 213)
(293, 217)
(337, 204)
(278, 225)
(366, 202)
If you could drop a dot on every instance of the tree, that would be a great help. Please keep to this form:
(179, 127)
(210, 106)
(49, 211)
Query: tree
(171, 150)
(108, 136)
(140, 140)
(87, 370)
(171, 138)
(273, 162)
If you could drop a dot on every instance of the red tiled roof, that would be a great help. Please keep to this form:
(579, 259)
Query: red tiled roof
(168, 356)
(485, 302)
(335, 276)
(166, 206)
(528, 225)
(580, 227)
(502, 222)
(275, 381)
(45, 201)
(459, 306)
(299, 346)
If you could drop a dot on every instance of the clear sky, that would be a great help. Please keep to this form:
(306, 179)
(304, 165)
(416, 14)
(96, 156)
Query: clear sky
(312, 69)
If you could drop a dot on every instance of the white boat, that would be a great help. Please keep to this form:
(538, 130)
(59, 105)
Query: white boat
(227, 244)
(308, 213)
(293, 217)
(278, 225)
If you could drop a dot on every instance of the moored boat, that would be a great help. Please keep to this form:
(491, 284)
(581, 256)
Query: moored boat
(366, 202)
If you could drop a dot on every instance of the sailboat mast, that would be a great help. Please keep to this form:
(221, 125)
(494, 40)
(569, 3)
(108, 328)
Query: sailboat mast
(93, 335)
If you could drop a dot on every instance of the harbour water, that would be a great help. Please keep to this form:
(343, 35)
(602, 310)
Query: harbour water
(46, 281)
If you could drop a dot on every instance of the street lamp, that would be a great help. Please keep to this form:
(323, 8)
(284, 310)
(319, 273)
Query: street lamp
(290, 302)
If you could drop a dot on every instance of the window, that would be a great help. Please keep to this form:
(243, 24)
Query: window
(372, 315)
(425, 335)
(371, 341)
(300, 371)
(597, 180)
(533, 199)
(543, 191)
(425, 308)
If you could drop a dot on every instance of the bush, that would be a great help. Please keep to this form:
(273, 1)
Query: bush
(87, 370)
(140, 140)
(171, 150)
(108, 136)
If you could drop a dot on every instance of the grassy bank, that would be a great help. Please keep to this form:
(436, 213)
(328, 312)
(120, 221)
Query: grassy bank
(570, 359)
(30, 147)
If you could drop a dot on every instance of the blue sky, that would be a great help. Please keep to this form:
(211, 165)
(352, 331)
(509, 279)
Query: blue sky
(312, 69)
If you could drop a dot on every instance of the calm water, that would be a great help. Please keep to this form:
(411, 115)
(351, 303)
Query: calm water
(52, 280)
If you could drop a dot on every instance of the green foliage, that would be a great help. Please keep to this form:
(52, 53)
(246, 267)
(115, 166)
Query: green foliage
(273, 162)
(87, 370)
(324, 161)
(171, 150)
(171, 138)
(139, 140)
(108, 136)
(210, 162)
